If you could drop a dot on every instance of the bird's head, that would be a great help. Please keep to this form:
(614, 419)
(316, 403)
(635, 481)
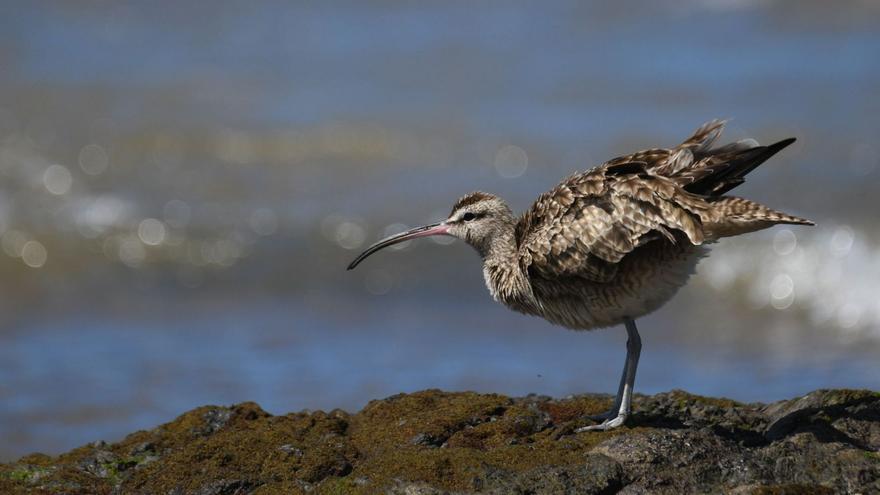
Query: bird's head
(477, 218)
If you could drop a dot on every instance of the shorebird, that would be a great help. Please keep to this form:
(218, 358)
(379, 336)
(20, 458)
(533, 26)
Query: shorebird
(614, 243)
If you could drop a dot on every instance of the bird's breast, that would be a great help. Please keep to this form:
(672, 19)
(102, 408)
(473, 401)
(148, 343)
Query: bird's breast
(510, 286)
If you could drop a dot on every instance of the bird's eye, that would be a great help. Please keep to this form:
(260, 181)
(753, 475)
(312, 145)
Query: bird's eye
(467, 217)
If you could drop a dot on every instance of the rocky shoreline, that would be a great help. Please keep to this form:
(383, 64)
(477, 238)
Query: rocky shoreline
(434, 442)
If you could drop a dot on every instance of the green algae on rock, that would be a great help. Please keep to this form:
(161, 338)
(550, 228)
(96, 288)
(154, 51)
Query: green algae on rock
(434, 442)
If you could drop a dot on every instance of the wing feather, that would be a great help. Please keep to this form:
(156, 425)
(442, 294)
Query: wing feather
(591, 221)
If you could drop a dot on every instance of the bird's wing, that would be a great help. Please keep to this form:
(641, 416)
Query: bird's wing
(587, 224)
(687, 155)
(699, 168)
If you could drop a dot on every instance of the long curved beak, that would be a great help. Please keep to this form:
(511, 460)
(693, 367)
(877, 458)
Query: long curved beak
(439, 228)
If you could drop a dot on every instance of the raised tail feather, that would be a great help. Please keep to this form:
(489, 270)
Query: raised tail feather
(719, 173)
(704, 136)
(714, 171)
(733, 216)
(711, 172)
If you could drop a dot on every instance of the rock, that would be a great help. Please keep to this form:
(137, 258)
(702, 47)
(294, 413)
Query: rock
(213, 419)
(597, 474)
(291, 450)
(818, 409)
(435, 442)
(226, 487)
(102, 463)
(426, 440)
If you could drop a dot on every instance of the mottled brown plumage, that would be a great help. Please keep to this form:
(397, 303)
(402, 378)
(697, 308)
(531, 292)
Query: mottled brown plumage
(584, 233)
(616, 242)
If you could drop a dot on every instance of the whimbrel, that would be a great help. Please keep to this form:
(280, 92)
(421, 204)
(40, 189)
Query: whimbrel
(614, 243)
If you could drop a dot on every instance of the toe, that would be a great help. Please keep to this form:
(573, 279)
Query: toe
(608, 424)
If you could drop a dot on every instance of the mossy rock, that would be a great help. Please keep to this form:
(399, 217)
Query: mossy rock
(444, 442)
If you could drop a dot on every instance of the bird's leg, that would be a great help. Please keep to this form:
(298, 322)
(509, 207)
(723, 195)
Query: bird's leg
(617, 399)
(611, 413)
(623, 402)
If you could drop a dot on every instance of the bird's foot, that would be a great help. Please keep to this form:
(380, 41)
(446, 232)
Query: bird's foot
(608, 424)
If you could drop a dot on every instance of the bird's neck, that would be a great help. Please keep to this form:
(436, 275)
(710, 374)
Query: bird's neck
(500, 249)
(503, 273)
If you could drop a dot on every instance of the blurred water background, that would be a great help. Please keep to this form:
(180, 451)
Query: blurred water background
(182, 185)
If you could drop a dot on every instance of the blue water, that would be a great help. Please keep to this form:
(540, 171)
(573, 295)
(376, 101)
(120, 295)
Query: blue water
(69, 382)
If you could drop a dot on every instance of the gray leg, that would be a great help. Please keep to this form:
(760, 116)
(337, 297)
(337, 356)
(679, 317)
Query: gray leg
(611, 413)
(623, 402)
